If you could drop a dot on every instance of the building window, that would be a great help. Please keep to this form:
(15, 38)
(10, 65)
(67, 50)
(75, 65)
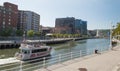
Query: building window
(1, 8)
(9, 13)
(9, 23)
(4, 12)
(9, 9)
(3, 19)
(15, 12)
(3, 26)
(3, 22)
(10, 6)
(4, 16)
(9, 19)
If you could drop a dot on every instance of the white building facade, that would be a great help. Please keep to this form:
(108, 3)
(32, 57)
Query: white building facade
(29, 20)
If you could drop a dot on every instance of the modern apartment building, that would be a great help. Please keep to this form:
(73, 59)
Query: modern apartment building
(8, 16)
(28, 20)
(84, 28)
(65, 25)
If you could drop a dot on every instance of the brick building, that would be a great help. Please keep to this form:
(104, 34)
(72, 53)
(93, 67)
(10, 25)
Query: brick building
(8, 16)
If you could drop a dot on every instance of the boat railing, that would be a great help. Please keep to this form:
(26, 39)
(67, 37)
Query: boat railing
(44, 62)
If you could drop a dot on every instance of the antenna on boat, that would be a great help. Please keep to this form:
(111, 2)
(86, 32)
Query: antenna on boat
(24, 37)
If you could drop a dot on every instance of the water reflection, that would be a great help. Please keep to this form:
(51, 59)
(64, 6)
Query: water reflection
(81, 42)
(86, 46)
(5, 53)
(66, 45)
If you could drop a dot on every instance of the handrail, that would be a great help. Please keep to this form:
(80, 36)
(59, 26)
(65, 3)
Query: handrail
(1, 66)
(11, 68)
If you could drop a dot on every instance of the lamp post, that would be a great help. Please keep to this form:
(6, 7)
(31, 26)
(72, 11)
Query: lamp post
(111, 36)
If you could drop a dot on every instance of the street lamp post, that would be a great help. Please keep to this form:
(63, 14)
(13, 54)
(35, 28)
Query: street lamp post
(111, 36)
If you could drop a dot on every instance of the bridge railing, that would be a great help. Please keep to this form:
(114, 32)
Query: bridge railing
(47, 61)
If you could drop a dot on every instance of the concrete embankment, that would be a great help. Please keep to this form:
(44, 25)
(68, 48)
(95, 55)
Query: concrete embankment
(16, 44)
(9, 44)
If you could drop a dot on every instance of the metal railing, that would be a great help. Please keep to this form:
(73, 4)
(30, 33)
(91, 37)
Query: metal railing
(34, 64)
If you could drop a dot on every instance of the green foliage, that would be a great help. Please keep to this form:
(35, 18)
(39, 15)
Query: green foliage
(6, 32)
(104, 32)
(30, 33)
(65, 35)
(37, 33)
(116, 31)
(19, 32)
(76, 35)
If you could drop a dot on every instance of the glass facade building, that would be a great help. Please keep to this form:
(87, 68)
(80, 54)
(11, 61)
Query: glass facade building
(81, 26)
(70, 25)
(65, 25)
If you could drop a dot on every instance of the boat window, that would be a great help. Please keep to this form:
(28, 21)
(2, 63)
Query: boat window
(25, 51)
(39, 50)
(28, 52)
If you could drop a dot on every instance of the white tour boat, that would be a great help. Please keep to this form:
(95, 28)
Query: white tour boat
(31, 51)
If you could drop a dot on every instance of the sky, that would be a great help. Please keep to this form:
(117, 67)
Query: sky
(99, 14)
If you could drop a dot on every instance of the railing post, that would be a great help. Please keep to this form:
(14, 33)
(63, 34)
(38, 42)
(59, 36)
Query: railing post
(20, 65)
(87, 52)
(44, 62)
(101, 49)
(71, 54)
(59, 58)
(80, 53)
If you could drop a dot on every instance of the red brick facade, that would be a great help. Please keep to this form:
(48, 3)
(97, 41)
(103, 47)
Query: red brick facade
(8, 16)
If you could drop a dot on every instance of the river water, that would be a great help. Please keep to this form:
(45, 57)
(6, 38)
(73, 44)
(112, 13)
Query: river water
(86, 45)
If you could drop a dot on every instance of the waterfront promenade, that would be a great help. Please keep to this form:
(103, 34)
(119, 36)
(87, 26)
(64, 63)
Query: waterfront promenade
(106, 61)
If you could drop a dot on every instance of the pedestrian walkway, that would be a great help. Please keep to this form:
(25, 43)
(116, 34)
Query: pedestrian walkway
(106, 61)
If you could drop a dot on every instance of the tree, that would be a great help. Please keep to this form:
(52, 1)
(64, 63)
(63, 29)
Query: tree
(30, 33)
(37, 33)
(19, 32)
(6, 32)
(116, 31)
